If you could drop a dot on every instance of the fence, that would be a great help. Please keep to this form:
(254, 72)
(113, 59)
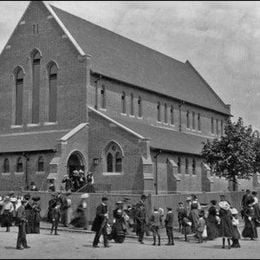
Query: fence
(161, 200)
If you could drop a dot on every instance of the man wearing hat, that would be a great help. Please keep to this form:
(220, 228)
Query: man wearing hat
(100, 222)
(36, 209)
(140, 218)
(21, 221)
(169, 226)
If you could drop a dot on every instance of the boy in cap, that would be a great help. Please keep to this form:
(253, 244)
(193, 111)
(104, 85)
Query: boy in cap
(100, 222)
(169, 226)
(21, 221)
(156, 224)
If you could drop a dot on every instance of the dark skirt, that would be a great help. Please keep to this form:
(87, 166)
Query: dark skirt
(226, 227)
(236, 234)
(212, 227)
(7, 219)
(249, 229)
(118, 231)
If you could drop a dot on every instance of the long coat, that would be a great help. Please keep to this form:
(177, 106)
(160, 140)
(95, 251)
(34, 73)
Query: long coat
(226, 227)
(100, 212)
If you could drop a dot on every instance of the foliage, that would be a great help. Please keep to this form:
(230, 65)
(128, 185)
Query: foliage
(233, 155)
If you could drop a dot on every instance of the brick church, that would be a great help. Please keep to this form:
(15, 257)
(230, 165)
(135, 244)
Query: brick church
(77, 96)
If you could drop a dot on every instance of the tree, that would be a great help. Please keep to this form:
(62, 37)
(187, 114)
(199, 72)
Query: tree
(233, 156)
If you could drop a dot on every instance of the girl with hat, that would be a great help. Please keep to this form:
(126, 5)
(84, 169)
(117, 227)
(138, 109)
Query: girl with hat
(235, 223)
(7, 213)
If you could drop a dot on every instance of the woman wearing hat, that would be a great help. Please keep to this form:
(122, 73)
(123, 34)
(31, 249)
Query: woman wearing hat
(250, 230)
(212, 221)
(119, 226)
(226, 227)
(235, 222)
(7, 213)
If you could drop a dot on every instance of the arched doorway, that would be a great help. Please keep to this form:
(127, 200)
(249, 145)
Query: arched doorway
(75, 162)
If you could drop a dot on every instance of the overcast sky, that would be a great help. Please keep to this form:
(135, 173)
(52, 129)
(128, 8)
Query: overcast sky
(220, 39)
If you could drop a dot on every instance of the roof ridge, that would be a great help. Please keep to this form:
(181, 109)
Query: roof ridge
(117, 34)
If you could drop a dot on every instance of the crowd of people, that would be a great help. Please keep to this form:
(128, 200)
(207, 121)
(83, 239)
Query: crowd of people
(205, 222)
(76, 180)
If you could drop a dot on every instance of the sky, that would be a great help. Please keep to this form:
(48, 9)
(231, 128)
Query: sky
(221, 39)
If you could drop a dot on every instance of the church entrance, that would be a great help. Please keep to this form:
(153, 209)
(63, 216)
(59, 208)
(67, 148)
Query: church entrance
(75, 162)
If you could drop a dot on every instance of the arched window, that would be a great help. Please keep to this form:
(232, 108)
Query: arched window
(103, 97)
(19, 96)
(19, 165)
(132, 105)
(6, 166)
(123, 103)
(212, 125)
(109, 162)
(159, 112)
(53, 71)
(140, 109)
(40, 164)
(193, 166)
(199, 127)
(36, 66)
(193, 120)
(165, 113)
(172, 115)
(186, 165)
(179, 164)
(118, 162)
(114, 157)
(188, 119)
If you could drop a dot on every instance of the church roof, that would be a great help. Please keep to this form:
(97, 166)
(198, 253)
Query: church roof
(160, 137)
(30, 141)
(120, 58)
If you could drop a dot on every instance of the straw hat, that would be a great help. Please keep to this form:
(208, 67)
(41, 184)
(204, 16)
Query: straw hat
(234, 211)
(84, 196)
(224, 205)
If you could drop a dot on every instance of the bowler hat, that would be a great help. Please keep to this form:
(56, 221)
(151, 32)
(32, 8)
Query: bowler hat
(143, 196)
(169, 208)
(36, 198)
(27, 196)
(104, 198)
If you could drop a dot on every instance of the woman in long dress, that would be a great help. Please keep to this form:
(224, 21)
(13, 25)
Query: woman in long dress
(226, 227)
(212, 221)
(249, 218)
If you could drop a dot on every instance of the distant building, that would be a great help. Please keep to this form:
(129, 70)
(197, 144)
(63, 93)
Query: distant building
(77, 96)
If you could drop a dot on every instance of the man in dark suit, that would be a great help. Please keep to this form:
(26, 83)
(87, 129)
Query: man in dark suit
(21, 221)
(169, 226)
(100, 222)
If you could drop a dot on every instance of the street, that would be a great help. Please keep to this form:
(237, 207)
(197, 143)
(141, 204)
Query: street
(71, 245)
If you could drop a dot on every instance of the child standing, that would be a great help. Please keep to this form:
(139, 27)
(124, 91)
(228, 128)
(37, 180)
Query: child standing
(236, 234)
(156, 224)
(201, 226)
(169, 226)
(181, 211)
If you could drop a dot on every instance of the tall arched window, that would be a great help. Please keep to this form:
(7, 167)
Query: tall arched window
(19, 96)
(36, 67)
(172, 115)
(103, 97)
(123, 103)
(118, 162)
(40, 164)
(114, 157)
(140, 109)
(19, 165)
(109, 162)
(199, 127)
(132, 104)
(193, 166)
(165, 113)
(188, 119)
(186, 165)
(179, 164)
(6, 166)
(159, 112)
(53, 71)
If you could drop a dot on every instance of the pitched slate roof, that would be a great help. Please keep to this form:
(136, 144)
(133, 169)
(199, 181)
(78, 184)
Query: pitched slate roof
(123, 59)
(26, 142)
(160, 137)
